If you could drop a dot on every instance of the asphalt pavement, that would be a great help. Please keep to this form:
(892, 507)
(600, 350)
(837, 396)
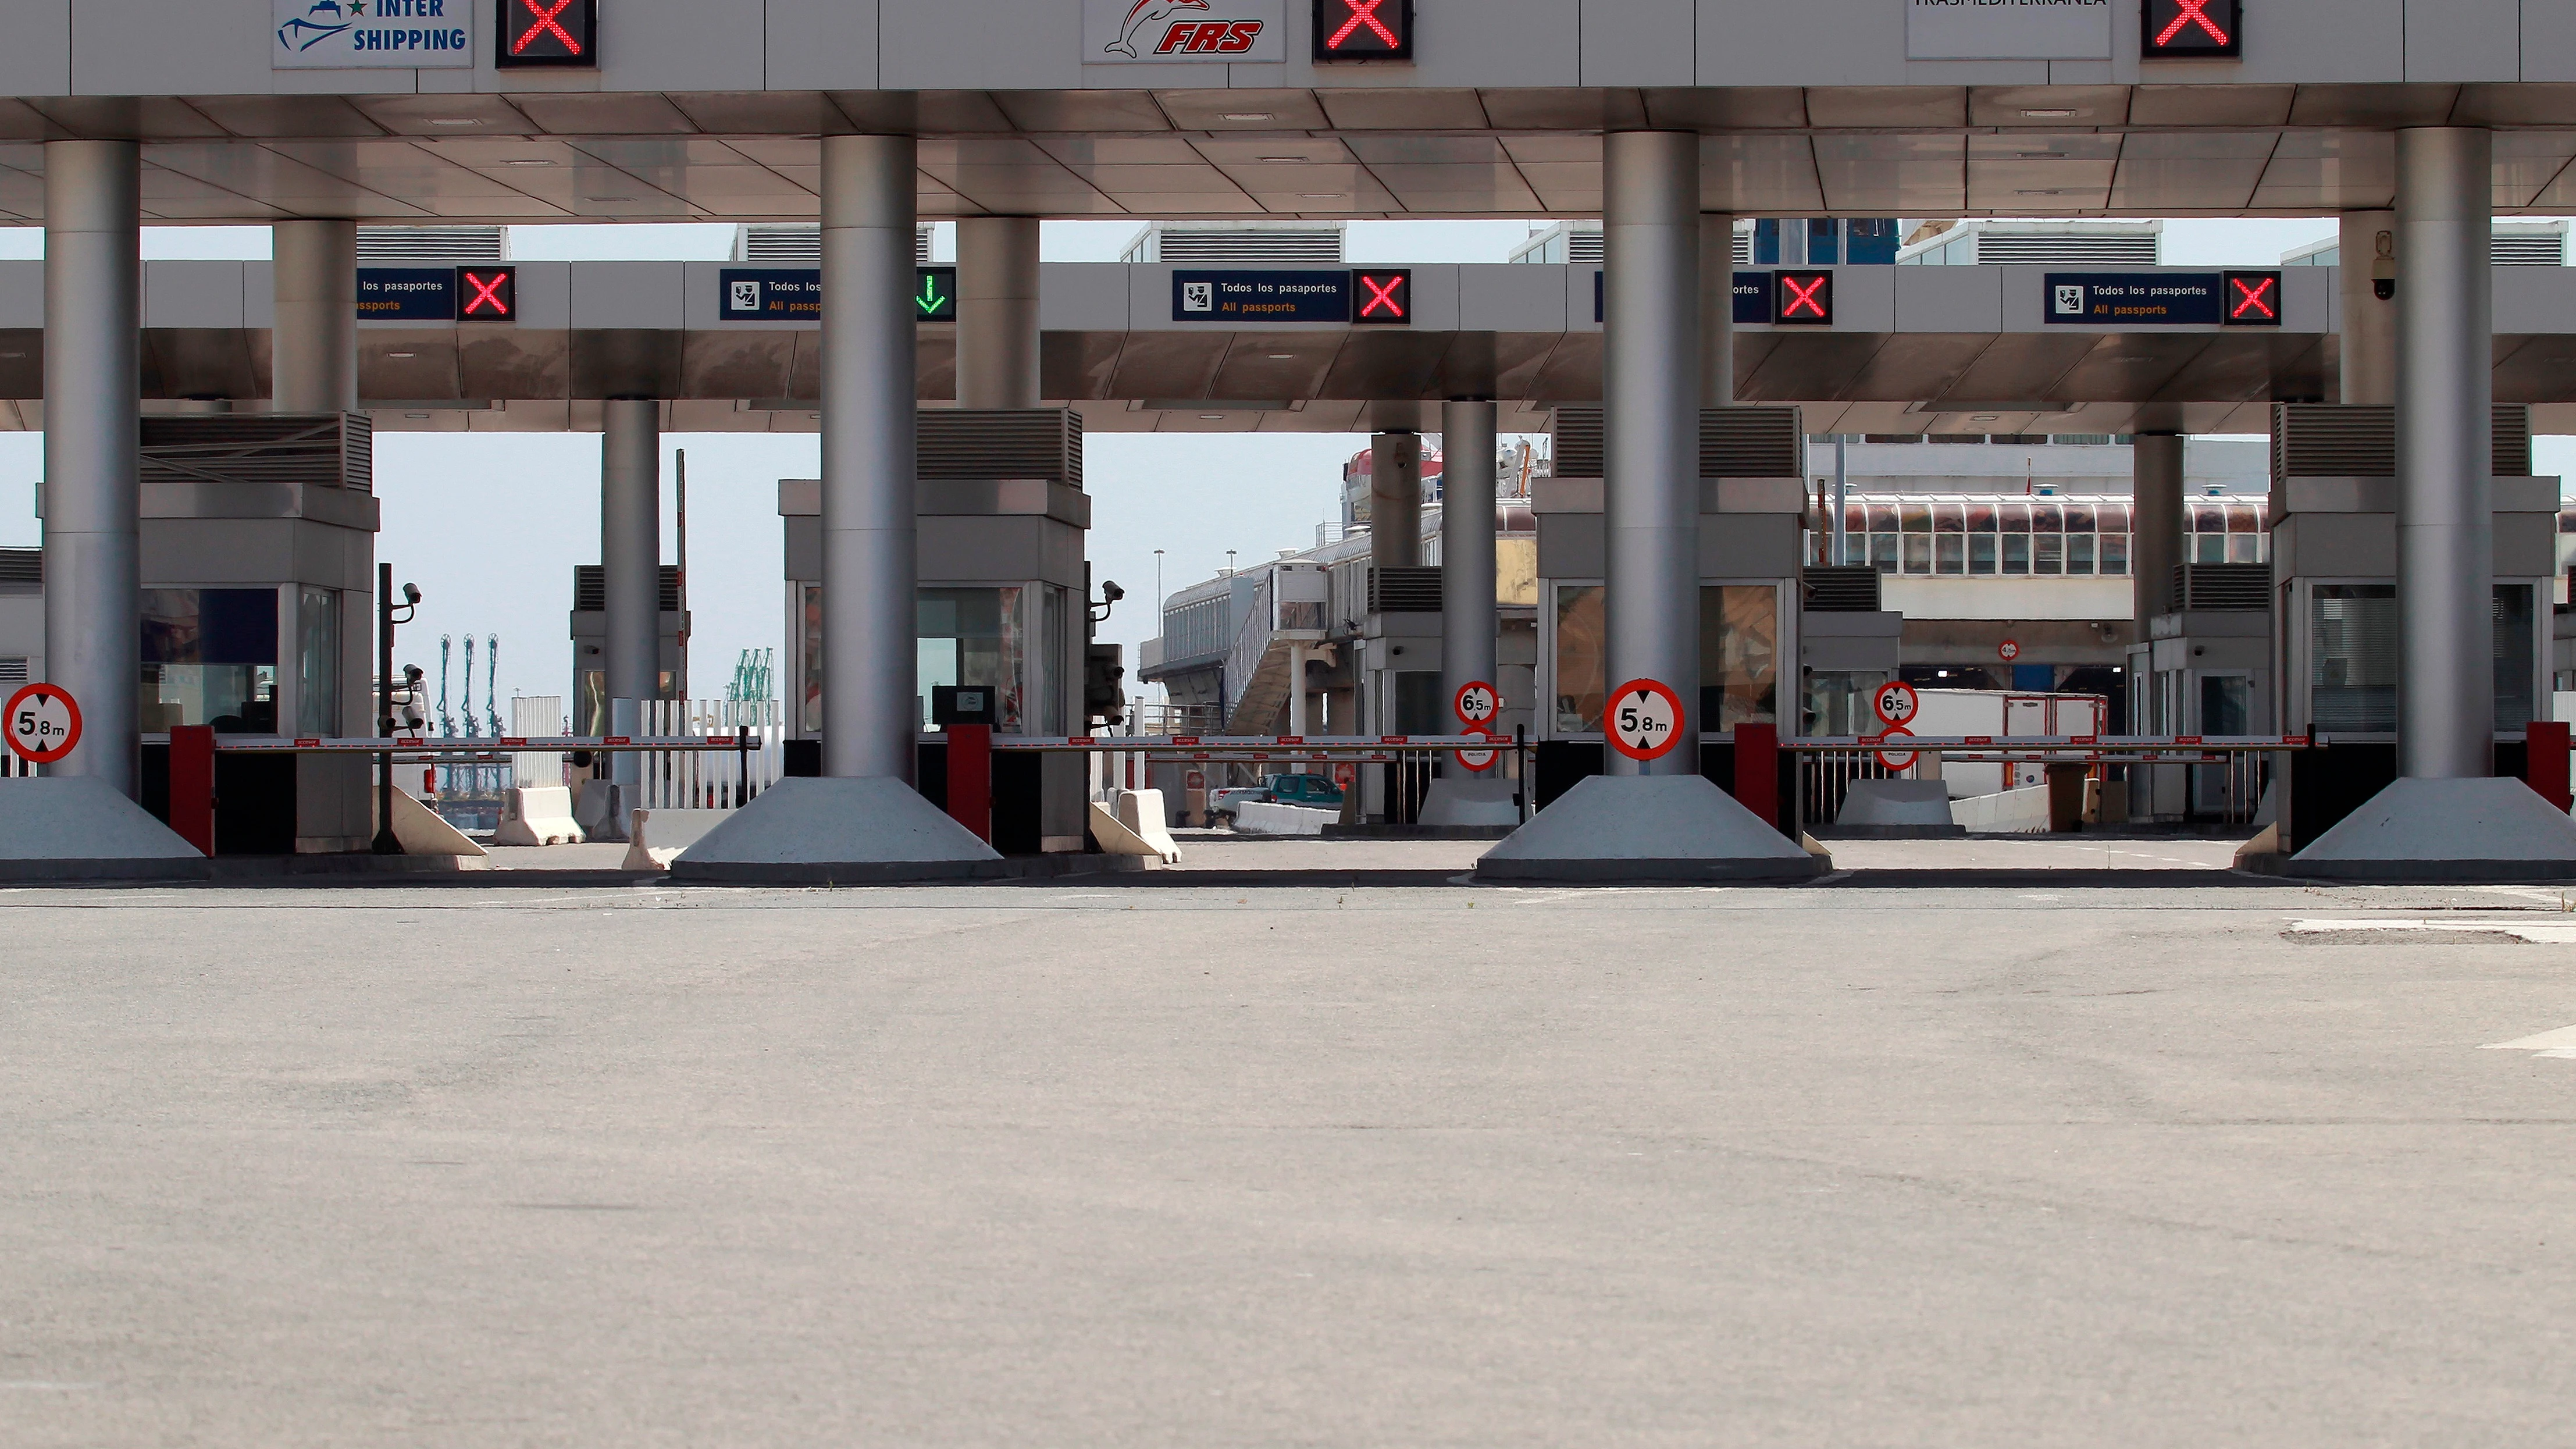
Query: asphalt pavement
(2170, 1164)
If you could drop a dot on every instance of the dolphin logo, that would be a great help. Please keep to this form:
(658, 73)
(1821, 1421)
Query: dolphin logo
(1144, 13)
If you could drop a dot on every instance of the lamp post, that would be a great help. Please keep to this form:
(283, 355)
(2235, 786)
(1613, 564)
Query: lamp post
(386, 612)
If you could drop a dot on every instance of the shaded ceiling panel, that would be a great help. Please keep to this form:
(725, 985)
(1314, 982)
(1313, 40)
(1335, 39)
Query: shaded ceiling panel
(1387, 362)
(2253, 365)
(2133, 365)
(1168, 364)
(2019, 367)
(1809, 365)
(1233, 110)
(1893, 175)
(1759, 174)
(1916, 365)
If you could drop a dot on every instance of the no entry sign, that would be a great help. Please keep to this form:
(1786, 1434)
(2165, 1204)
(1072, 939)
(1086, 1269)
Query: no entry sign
(1896, 702)
(1643, 719)
(44, 724)
(1476, 705)
(2009, 650)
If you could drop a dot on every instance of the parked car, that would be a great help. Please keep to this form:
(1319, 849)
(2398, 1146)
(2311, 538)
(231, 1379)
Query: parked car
(1312, 791)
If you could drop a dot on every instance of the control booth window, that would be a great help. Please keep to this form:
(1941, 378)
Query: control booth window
(210, 658)
(2352, 672)
(972, 636)
(1739, 664)
(317, 661)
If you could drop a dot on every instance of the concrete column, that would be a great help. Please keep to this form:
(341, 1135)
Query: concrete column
(93, 501)
(630, 565)
(2368, 347)
(1395, 500)
(1467, 621)
(313, 346)
(1296, 687)
(2445, 392)
(869, 461)
(997, 312)
(2155, 534)
(1716, 309)
(1650, 389)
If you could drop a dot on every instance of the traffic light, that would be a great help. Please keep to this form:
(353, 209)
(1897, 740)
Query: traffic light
(1363, 29)
(487, 294)
(1382, 296)
(1802, 299)
(2191, 29)
(2250, 299)
(548, 32)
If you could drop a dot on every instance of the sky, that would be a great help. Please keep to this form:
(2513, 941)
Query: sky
(490, 525)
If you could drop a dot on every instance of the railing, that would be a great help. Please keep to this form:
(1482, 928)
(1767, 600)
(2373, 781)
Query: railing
(1826, 768)
(697, 779)
(1251, 642)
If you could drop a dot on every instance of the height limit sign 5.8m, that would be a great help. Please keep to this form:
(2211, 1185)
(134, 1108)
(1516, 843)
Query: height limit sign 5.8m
(43, 724)
(1643, 719)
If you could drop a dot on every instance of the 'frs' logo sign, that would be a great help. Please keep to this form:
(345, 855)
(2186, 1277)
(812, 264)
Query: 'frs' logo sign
(1223, 37)
(1165, 30)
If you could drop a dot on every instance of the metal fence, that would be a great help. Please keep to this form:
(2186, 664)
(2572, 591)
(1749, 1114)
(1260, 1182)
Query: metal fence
(713, 779)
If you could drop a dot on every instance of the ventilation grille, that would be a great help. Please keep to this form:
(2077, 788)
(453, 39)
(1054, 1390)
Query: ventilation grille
(1736, 442)
(1583, 248)
(1764, 442)
(958, 443)
(1404, 590)
(590, 589)
(803, 242)
(13, 670)
(1842, 589)
(2528, 251)
(2008, 249)
(2333, 440)
(332, 450)
(1250, 248)
(431, 244)
(22, 566)
(2243, 588)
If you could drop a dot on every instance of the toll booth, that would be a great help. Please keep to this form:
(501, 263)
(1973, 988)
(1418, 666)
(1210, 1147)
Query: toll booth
(1003, 593)
(257, 542)
(2205, 669)
(590, 640)
(1847, 647)
(2335, 621)
(1753, 518)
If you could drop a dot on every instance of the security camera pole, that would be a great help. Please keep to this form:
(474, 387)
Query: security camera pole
(385, 843)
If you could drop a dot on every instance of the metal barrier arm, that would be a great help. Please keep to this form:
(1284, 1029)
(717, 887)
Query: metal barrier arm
(1189, 744)
(443, 745)
(1957, 744)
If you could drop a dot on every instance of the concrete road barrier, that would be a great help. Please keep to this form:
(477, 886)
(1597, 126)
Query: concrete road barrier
(537, 815)
(1266, 818)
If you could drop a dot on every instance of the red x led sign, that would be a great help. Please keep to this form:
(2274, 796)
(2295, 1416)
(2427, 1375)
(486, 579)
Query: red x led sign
(2250, 299)
(1382, 296)
(487, 294)
(2192, 29)
(548, 32)
(1363, 29)
(1802, 299)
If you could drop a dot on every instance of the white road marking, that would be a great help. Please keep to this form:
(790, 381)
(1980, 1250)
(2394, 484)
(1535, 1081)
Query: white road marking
(2519, 930)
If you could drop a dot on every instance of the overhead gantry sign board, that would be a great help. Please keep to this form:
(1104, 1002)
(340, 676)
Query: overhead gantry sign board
(371, 34)
(1375, 296)
(795, 294)
(1147, 32)
(2163, 299)
(2008, 30)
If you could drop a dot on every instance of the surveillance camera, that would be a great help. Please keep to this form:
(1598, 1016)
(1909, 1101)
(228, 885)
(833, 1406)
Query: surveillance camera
(1110, 591)
(411, 593)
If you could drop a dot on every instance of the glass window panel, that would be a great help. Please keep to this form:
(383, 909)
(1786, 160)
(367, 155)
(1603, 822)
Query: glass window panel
(810, 647)
(1917, 517)
(2352, 681)
(2047, 518)
(2048, 553)
(2513, 656)
(2244, 518)
(2209, 548)
(1918, 553)
(1855, 518)
(1882, 518)
(2016, 553)
(2013, 517)
(1949, 554)
(2226, 704)
(1579, 641)
(2208, 518)
(2112, 517)
(971, 636)
(2115, 553)
(2079, 553)
(1946, 517)
(1981, 516)
(2079, 517)
(317, 661)
(2244, 548)
(1882, 552)
(1739, 655)
(1981, 553)
(209, 658)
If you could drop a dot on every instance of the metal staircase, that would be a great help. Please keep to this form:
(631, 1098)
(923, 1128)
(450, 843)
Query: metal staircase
(1259, 670)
